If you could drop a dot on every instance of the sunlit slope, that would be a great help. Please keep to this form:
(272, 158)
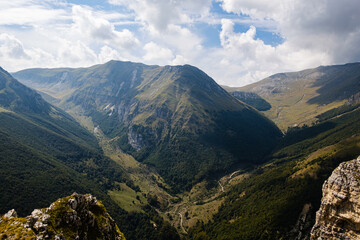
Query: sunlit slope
(298, 97)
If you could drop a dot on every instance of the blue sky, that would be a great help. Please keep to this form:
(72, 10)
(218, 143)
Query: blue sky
(237, 42)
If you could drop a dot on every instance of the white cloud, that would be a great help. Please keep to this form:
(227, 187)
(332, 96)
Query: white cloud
(101, 29)
(10, 47)
(255, 8)
(33, 12)
(159, 14)
(179, 60)
(156, 54)
(244, 58)
(76, 54)
(53, 33)
(320, 26)
(13, 54)
(107, 53)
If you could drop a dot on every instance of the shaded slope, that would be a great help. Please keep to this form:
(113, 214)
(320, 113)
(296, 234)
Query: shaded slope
(298, 97)
(17, 97)
(37, 154)
(252, 99)
(174, 117)
(45, 153)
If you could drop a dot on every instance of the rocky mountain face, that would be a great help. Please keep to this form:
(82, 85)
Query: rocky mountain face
(74, 217)
(339, 213)
(175, 118)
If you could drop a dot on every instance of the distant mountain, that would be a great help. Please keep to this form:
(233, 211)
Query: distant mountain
(298, 97)
(175, 118)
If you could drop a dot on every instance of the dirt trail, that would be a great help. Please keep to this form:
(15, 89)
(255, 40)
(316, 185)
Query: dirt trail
(181, 223)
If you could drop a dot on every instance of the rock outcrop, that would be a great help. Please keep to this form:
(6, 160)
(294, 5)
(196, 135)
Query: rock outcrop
(74, 217)
(339, 213)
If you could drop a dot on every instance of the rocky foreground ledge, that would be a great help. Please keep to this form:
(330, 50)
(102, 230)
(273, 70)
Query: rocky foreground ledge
(339, 213)
(74, 217)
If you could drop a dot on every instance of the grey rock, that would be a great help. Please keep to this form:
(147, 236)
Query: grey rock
(11, 214)
(339, 213)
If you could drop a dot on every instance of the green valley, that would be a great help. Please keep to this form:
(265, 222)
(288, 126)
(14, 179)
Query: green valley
(179, 120)
(167, 148)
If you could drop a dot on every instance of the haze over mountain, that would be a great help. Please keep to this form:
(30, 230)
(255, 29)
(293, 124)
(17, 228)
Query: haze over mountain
(298, 97)
(174, 117)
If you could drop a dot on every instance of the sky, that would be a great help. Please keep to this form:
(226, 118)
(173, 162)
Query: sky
(236, 42)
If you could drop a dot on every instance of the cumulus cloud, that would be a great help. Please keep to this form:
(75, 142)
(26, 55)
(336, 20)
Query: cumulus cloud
(76, 54)
(179, 60)
(156, 54)
(13, 54)
(11, 47)
(244, 59)
(255, 8)
(165, 27)
(159, 14)
(107, 53)
(321, 26)
(101, 29)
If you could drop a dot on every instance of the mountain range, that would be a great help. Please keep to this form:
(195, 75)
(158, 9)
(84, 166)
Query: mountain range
(174, 155)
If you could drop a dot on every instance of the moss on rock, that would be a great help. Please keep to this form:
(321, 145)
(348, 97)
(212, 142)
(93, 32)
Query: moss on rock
(73, 217)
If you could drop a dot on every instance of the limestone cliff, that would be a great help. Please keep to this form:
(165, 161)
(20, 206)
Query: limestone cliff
(339, 213)
(74, 217)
